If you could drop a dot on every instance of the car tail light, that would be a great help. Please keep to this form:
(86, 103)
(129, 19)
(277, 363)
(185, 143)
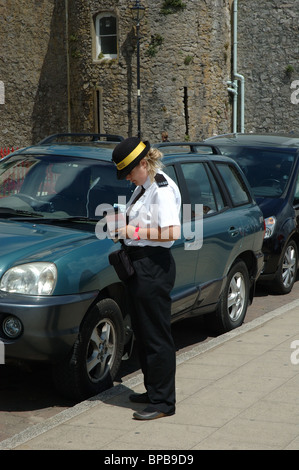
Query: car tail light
(270, 223)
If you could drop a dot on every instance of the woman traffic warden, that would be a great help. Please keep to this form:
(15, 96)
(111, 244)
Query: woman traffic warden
(153, 224)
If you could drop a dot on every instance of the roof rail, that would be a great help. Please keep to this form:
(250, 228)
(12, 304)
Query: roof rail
(193, 146)
(93, 137)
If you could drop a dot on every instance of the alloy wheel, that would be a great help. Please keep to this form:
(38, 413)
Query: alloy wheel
(289, 267)
(236, 297)
(101, 350)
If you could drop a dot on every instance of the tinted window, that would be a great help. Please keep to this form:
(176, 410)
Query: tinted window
(268, 171)
(234, 183)
(217, 194)
(200, 189)
(296, 195)
(59, 185)
(170, 171)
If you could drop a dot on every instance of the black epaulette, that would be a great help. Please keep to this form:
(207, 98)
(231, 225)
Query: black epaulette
(161, 180)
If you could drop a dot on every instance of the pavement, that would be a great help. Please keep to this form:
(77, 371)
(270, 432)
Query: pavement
(238, 391)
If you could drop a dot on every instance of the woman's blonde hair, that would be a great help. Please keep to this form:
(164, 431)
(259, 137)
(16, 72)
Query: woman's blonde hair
(153, 160)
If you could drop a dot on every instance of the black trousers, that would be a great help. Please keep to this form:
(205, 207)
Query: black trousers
(149, 289)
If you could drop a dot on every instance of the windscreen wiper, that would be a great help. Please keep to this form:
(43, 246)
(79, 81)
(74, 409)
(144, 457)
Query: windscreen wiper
(74, 218)
(7, 212)
(77, 218)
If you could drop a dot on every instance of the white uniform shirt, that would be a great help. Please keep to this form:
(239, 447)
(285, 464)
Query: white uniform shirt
(159, 206)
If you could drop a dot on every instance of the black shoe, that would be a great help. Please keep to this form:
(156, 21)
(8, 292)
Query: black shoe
(148, 415)
(139, 398)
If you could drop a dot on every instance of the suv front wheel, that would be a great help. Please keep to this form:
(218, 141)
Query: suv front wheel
(233, 303)
(96, 355)
(287, 270)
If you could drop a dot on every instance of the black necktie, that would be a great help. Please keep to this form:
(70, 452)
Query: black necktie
(135, 200)
(138, 196)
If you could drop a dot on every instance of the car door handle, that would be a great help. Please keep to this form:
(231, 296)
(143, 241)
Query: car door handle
(233, 231)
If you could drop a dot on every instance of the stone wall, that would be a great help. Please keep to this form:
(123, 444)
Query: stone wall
(268, 53)
(183, 85)
(32, 69)
(52, 82)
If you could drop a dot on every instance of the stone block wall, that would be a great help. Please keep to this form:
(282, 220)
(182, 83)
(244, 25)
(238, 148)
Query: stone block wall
(268, 57)
(53, 82)
(183, 81)
(32, 70)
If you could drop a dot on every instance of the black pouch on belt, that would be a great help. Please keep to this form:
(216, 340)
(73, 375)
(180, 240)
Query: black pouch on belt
(122, 264)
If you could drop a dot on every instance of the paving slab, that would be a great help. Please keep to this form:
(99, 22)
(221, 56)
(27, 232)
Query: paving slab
(238, 391)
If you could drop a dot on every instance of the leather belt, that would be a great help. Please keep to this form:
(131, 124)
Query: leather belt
(139, 252)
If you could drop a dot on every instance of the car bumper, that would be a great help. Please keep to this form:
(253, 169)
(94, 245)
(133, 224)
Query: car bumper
(259, 264)
(273, 250)
(50, 324)
(270, 267)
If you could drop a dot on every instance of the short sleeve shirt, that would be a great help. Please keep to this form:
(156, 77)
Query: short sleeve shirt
(159, 206)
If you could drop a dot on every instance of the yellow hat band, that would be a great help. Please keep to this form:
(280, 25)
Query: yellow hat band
(134, 154)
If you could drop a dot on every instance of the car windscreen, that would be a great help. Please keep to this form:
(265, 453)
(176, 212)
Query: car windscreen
(267, 170)
(58, 186)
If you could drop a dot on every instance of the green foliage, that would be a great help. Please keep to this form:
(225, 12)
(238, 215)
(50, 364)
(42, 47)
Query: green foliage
(155, 43)
(76, 54)
(188, 60)
(289, 70)
(172, 6)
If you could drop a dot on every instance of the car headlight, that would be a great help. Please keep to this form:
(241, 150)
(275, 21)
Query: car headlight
(32, 279)
(270, 223)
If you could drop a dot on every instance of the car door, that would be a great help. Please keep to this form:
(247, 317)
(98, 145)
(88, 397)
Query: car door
(222, 233)
(296, 195)
(185, 291)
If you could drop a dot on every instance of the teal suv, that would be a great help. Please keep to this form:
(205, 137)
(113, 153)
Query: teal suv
(61, 301)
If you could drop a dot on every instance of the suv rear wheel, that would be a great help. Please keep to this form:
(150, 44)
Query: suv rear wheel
(96, 355)
(233, 303)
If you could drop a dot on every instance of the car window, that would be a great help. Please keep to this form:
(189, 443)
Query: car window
(200, 189)
(234, 183)
(59, 186)
(296, 195)
(268, 171)
(170, 171)
(216, 190)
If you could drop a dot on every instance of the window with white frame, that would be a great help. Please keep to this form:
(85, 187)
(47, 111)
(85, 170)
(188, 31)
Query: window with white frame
(106, 36)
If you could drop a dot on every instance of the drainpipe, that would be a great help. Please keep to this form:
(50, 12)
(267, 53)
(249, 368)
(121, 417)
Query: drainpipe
(237, 77)
(233, 88)
(242, 100)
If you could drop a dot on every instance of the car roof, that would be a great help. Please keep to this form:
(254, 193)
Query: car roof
(261, 140)
(190, 151)
(72, 150)
(100, 154)
(195, 157)
(102, 150)
(83, 145)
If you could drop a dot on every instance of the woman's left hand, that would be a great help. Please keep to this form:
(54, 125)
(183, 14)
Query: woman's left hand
(151, 233)
(126, 232)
